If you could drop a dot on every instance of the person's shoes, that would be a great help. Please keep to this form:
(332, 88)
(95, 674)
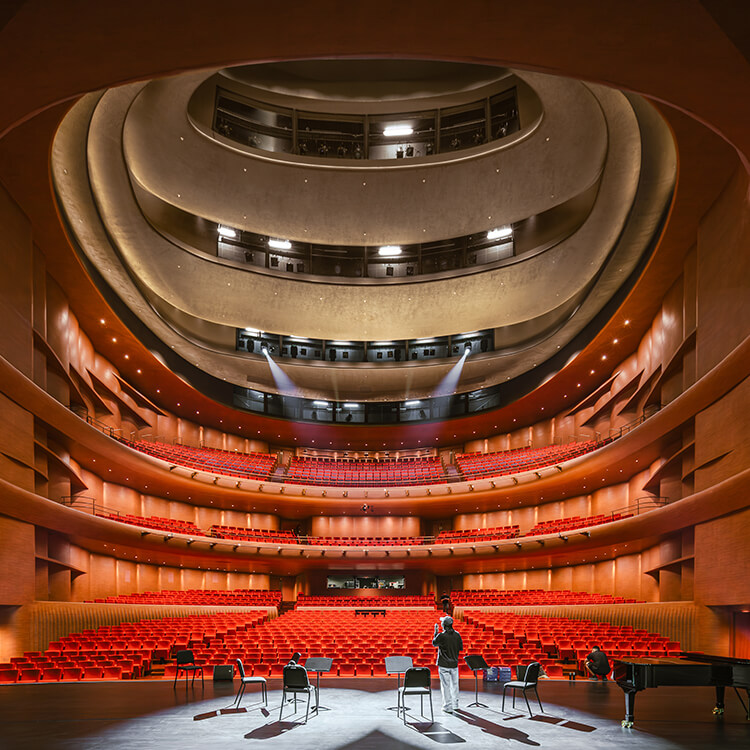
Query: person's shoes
(447, 710)
(605, 678)
(593, 679)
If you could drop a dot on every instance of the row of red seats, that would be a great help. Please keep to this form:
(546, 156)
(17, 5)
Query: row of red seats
(212, 460)
(477, 465)
(261, 535)
(198, 597)
(477, 535)
(156, 522)
(565, 640)
(345, 473)
(358, 645)
(128, 650)
(277, 536)
(358, 541)
(575, 522)
(510, 597)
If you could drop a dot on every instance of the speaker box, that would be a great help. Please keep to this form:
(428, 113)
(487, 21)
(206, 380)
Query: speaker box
(223, 672)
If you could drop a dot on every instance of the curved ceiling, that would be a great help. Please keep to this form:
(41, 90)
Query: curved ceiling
(136, 139)
(658, 63)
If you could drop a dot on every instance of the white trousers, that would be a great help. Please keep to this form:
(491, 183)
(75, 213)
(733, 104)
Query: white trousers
(449, 687)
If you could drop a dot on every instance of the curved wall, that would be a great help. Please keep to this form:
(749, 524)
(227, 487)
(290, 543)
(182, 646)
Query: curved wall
(699, 554)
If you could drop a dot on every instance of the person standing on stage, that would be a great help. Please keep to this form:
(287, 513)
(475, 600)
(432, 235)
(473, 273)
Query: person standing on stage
(449, 646)
(597, 664)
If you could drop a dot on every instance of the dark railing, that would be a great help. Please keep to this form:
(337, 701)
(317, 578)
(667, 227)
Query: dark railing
(363, 137)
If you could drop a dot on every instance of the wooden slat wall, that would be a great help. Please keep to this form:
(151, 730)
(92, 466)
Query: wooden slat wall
(676, 620)
(48, 621)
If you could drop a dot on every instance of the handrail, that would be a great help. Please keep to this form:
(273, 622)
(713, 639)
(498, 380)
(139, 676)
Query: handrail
(614, 434)
(80, 502)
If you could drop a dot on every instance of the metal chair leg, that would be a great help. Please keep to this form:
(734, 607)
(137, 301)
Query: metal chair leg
(432, 713)
(536, 692)
(283, 701)
(240, 692)
(307, 710)
(526, 698)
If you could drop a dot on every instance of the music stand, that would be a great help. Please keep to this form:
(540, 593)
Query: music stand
(397, 665)
(318, 664)
(475, 662)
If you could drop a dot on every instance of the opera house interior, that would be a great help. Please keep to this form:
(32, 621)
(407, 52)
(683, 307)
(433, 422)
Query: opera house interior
(321, 321)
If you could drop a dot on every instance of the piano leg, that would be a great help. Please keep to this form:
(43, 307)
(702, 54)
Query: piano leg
(719, 707)
(630, 692)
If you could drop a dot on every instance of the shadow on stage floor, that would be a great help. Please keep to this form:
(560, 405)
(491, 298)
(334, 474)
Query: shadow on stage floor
(147, 714)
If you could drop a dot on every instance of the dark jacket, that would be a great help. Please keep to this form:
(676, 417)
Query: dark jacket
(599, 662)
(449, 646)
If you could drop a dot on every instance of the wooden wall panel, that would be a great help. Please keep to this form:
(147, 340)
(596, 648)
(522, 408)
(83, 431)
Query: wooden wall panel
(722, 565)
(102, 576)
(723, 275)
(17, 581)
(365, 526)
(721, 433)
(17, 433)
(16, 284)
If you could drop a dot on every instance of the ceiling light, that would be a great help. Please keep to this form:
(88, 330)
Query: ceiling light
(280, 244)
(389, 251)
(320, 403)
(226, 231)
(412, 403)
(351, 406)
(501, 233)
(394, 130)
(252, 331)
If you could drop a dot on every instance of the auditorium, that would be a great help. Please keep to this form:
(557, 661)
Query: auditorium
(323, 322)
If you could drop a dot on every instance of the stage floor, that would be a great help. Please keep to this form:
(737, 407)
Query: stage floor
(151, 714)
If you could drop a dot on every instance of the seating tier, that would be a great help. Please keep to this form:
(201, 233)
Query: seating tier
(499, 463)
(496, 597)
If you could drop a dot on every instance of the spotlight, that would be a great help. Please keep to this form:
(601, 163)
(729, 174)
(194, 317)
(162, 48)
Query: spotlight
(279, 244)
(467, 347)
(389, 251)
(395, 130)
(501, 233)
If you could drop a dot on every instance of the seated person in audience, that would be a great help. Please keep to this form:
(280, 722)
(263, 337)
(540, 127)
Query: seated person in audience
(597, 664)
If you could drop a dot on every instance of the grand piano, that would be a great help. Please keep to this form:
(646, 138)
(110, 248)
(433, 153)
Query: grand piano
(633, 675)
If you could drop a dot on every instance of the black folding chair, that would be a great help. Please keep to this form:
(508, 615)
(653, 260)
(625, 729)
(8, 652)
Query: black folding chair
(528, 681)
(245, 681)
(295, 682)
(476, 662)
(186, 663)
(417, 681)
